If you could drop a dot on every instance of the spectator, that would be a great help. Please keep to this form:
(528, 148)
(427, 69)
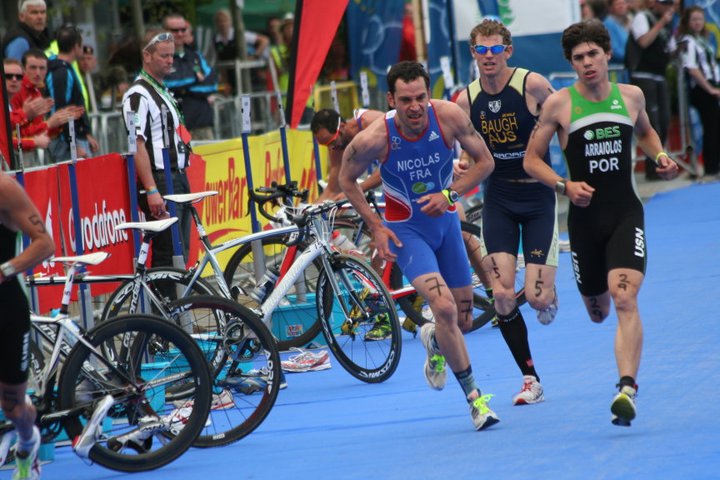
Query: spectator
(273, 30)
(699, 61)
(594, 9)
(281, 52)
(192, 81)
(29, 100)
(617, 23)
(651, 31)
(145, 99)
(257, 46)
(30, 32)
(87, 66)
(63, 85)
(13, 81)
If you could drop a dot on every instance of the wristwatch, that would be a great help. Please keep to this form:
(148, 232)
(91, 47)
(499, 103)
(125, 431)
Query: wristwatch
(451, 195)
(560, 187)
(8, 270)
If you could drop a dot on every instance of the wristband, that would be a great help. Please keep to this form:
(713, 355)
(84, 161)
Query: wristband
(152, 191)
(657, 157)
(560, 186)
(8, 270)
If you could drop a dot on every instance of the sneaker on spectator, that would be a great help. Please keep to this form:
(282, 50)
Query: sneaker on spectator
(435, 372)
(531, 392)
(27, 464)
(623, 406)
(381, 330)
(481, 414)
(306, 361)
(547, 315)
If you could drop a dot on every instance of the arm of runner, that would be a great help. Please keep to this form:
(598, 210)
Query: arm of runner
(359, 154)
(580, 193)
(647, 137)
(17, 212)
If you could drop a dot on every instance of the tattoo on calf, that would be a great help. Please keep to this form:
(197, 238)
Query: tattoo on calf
(466, 309)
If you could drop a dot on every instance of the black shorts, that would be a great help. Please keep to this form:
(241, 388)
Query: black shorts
(604, 239)
(515, 211)
(14, 334)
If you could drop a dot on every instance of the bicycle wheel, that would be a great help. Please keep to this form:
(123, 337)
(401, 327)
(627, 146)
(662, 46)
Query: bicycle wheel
(245, 364)
(142, 430)
(164, 284)
(294, 322)
(362, 304)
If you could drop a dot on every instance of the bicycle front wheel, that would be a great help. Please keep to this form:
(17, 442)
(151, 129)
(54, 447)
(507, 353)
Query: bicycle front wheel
(360, 322)
(245, 363)
(137, 359)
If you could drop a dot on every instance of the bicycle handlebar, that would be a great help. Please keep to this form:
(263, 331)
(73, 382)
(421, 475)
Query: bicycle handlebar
(287, 193)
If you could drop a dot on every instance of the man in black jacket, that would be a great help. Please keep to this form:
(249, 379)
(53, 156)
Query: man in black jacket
(30, 32)
(63, 86)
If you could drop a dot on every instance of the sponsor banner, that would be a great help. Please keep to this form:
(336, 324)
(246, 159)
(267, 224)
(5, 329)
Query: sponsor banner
(226, 215)
(104, 202)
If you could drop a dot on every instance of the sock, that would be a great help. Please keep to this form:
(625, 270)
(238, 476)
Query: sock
(514, 331)
(467, 381)
(627, 381)
(26, 446)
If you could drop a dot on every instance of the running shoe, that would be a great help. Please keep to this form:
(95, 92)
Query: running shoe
(435, 372)
(481, 414)
(89, 435)
(623, 406)
(222, 401)
(245, 384)
(27, 464)
(381, 330)
(531, 392)
(306, 361)
(5, 444)
(547, 315)
(356, 312)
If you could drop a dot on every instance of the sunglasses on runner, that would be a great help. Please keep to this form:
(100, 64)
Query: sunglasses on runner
(494, 49)
(334, 137)
(159, 38)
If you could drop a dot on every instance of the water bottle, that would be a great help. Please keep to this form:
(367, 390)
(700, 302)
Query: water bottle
(265, 286)
(341, 242)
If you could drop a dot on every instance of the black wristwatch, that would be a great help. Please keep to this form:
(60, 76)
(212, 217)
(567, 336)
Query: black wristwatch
(451, 195)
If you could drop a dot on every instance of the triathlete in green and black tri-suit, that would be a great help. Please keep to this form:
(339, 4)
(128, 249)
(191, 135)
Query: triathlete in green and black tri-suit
(594, 120)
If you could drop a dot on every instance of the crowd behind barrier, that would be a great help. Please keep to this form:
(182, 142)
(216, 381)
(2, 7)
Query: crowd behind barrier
(104, 198)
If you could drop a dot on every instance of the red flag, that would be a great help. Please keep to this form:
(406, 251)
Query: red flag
(316, 23)
(5, 128)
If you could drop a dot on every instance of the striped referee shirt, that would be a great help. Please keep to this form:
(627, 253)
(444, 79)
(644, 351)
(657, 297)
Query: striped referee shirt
(145, 101)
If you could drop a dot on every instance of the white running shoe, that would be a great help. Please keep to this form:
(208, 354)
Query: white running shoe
(435, 372)
(88, 437)
(481, 414)
(547, 316)
(623, 407)
(222, 401)
(28, 467)
(306, 361)
(531, 392)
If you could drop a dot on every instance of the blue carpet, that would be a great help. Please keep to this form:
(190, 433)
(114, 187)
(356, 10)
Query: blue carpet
(328, 425)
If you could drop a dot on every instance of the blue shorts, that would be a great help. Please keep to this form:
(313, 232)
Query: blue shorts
(432, 245)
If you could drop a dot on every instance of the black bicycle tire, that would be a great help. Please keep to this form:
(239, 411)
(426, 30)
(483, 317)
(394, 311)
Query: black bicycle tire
(309, 332)
(213, 438)
(199, 374)
(381, 370)
(123, 293)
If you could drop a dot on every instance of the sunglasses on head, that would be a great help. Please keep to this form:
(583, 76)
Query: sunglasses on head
(334, 137)
(494, 49)
(14, 76)
(159, 38)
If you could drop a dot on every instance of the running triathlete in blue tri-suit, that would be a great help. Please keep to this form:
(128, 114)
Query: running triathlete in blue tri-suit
(503, 105)
(422, 231)
(594, 120)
